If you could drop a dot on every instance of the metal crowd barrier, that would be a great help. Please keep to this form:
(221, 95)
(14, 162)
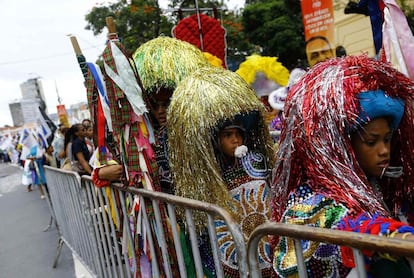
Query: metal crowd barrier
(356, 241)
(95, 224)
(68, 208)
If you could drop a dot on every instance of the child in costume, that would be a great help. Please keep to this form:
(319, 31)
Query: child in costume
(344, 162)
(161, 64)
(213, 112)
(158, 65)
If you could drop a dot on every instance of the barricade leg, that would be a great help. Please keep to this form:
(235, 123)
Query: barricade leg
(59, 249)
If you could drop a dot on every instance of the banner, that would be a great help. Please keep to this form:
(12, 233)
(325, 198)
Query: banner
(63, 115)
(318, 23)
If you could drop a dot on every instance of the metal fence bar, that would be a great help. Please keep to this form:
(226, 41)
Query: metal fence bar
(360, 264)
(350, 239)
(156, 269)
(95, 211)
(95, 225)
(161, 238)
(127, 237)
(94, 229)
(214, 246)
(299, 259)
(177, 242)
(207, 208)
(112, 233)
(106, 233)
(194, 245)
(68, 206)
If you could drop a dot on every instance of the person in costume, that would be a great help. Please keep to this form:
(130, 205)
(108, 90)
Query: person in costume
(344, 162)
(277, 100)
(265, 74)
(161, 64)
(221, 152)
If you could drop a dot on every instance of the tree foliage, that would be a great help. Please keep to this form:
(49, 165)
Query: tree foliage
(408, 10)
(276, 27)
(136, 23)
(143, 20)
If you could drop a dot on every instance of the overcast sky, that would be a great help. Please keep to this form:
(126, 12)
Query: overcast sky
(36, 44)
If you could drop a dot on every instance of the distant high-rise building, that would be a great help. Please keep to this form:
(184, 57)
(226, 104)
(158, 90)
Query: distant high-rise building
(25, 110)
(33, 89)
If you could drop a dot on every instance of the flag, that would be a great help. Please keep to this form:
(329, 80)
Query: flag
(46, 128)
(398, 40)
(27, 140)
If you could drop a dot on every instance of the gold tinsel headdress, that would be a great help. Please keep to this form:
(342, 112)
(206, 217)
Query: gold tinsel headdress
(163, 62)
(200, 105)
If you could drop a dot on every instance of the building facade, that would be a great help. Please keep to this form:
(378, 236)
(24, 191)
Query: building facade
(26, 110)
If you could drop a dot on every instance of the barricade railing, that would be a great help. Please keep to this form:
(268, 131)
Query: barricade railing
(356, 241)
(68, 204)
(99, 225)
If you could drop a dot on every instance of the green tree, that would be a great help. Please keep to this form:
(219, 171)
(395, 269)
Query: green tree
(406, 7)
(275, 26)
(136, 23)
(143, 20)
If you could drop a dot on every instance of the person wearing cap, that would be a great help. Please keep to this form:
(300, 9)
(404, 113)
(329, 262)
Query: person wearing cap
(345, 163)
(221, 152)
(277, 100)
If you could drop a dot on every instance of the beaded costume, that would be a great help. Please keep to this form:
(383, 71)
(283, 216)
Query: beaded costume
(203, 103)
(317, 179)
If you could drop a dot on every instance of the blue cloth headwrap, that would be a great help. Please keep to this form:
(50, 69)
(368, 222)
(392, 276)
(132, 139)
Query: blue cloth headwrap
(375, 104)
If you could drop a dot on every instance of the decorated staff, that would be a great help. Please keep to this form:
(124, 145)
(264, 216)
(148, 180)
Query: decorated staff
(122, 106)
(119, 110)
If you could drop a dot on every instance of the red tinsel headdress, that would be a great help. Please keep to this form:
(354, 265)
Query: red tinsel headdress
(315, 145)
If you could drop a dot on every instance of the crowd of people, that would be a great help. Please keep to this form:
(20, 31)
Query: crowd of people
(336, 152)
(341, 159)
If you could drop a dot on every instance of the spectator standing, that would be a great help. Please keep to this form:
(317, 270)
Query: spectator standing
(58, 144)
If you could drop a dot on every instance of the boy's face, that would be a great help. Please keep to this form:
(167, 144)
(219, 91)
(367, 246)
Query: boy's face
(372, 146)
(161, 101)
(229, 140)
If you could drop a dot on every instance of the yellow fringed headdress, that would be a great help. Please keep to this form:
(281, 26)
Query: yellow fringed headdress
(165, 61)
(269, 66)
(201, 103)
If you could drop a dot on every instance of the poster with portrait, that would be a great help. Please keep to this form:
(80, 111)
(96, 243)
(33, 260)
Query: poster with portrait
(318, 23)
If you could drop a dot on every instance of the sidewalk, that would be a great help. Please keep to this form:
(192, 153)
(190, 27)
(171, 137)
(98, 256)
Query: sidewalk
(25, 249)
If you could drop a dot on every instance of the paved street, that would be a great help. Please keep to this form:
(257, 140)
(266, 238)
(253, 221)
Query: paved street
(25, 249)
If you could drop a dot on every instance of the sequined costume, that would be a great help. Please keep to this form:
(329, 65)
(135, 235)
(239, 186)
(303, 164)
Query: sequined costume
(202, 103)
(318, 180)
(249, 191)
(161, 156)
